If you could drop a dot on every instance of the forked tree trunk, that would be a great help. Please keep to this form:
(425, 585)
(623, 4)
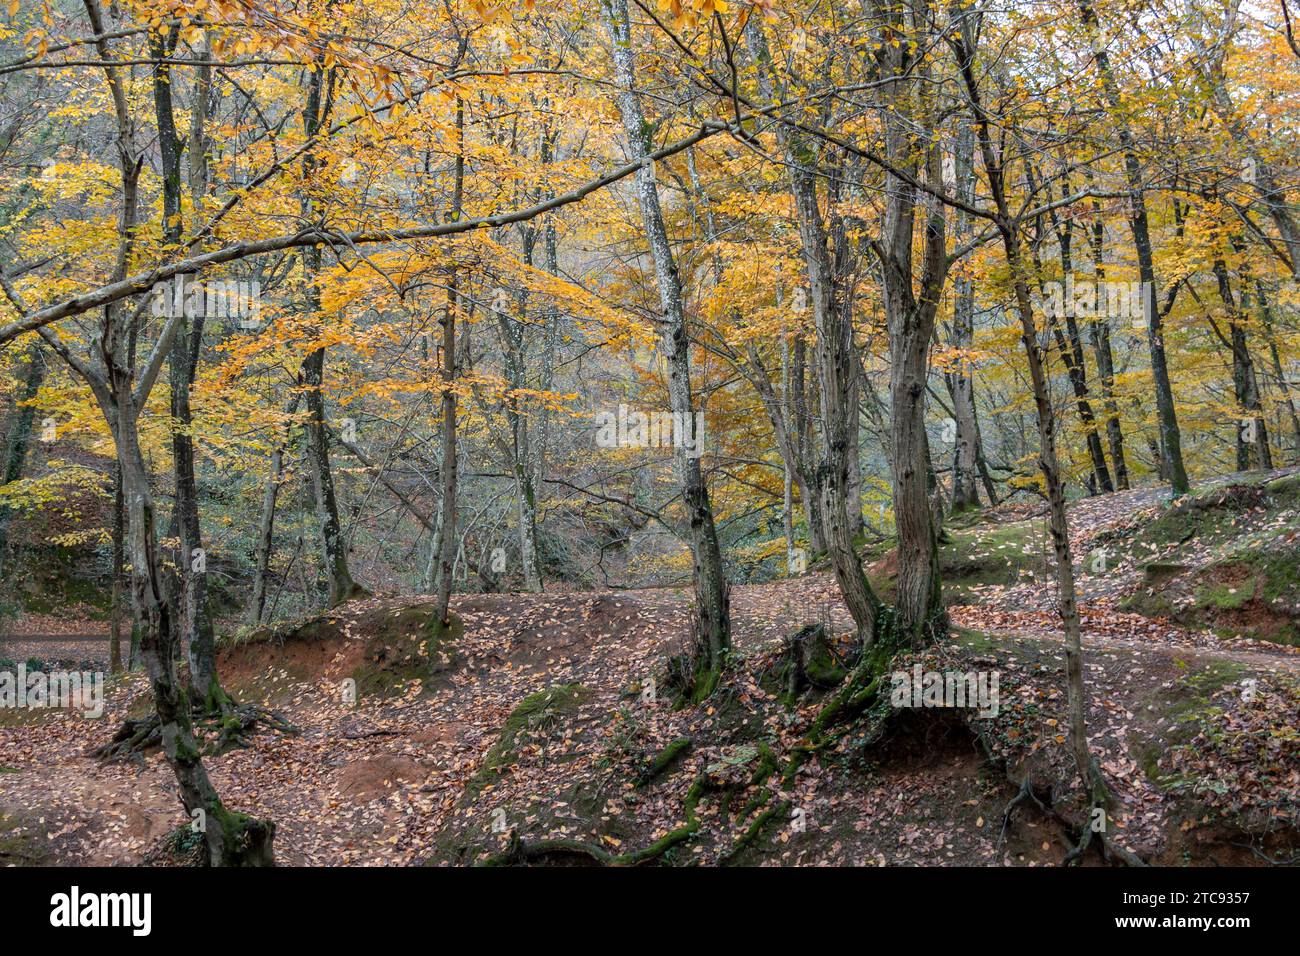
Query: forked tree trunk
(232, 839)
(910, 318)
(837, 365)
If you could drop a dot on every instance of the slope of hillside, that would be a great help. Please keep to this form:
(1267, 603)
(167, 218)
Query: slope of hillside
(544, 731)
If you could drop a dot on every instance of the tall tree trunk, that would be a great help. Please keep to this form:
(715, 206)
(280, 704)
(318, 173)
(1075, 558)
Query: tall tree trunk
(1070, 346)
(266, 523)
(1170, 438)
(519, 448)
(910, 319)
(446, 538)
(334, 549)
(118, 564)
(1279, 374)
(447, 518)
(196, 630)
(1009, 232)
(1252, 430)
(961, 380)
(712, 595)
(836, 363)
(20, 437)
(1099, 336)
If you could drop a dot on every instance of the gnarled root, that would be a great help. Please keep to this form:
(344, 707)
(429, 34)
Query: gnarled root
(230, 726)
(1099, 798)
(520, 853)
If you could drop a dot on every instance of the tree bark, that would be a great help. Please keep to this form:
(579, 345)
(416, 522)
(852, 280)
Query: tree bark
(961, 380)
(712, 594)
(266, 523)
(836, 364)
(20, 437)
(1170, 438)
(1252, 430)
(910, 316)
(1099, 336)
(334, 550)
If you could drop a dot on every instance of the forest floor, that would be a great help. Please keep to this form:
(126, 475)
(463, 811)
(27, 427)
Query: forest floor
(540, 718)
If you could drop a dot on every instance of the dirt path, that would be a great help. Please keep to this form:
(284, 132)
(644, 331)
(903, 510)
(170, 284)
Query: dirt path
(373, 784)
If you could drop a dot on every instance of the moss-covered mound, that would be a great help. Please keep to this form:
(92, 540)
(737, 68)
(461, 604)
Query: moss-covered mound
(1226, 559)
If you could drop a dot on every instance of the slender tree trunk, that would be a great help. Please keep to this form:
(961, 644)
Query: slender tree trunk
(1279, 374)
(519, 447)
(1008, 229)
(118, 565)
(447, 519)
(1099, 336)
(196, 629)
(334, 549)
(1170, 438)
(266, 523)
(712, 595)
(1252, 430)
(805, 443)
(1070, 346)
(447, 540)
(961, 380)
(20, 437)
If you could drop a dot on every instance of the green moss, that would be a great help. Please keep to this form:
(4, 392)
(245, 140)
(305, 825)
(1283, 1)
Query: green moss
(535, 714)
(664, 759)
(1223, 559)
(1225, 597)
(20, 849)
(982, 554)
(976, 641)
(412, 644)
(1174, 714)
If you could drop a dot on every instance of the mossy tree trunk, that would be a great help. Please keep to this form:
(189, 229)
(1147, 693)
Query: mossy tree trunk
(20, 436)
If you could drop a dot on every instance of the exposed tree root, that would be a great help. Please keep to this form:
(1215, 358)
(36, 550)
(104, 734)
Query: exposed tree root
(230, 727)
(1026, 792)
(755, 830)
(240, 723)
(520, 852)
(136, 737)
(1099, 797)
(663, 760)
